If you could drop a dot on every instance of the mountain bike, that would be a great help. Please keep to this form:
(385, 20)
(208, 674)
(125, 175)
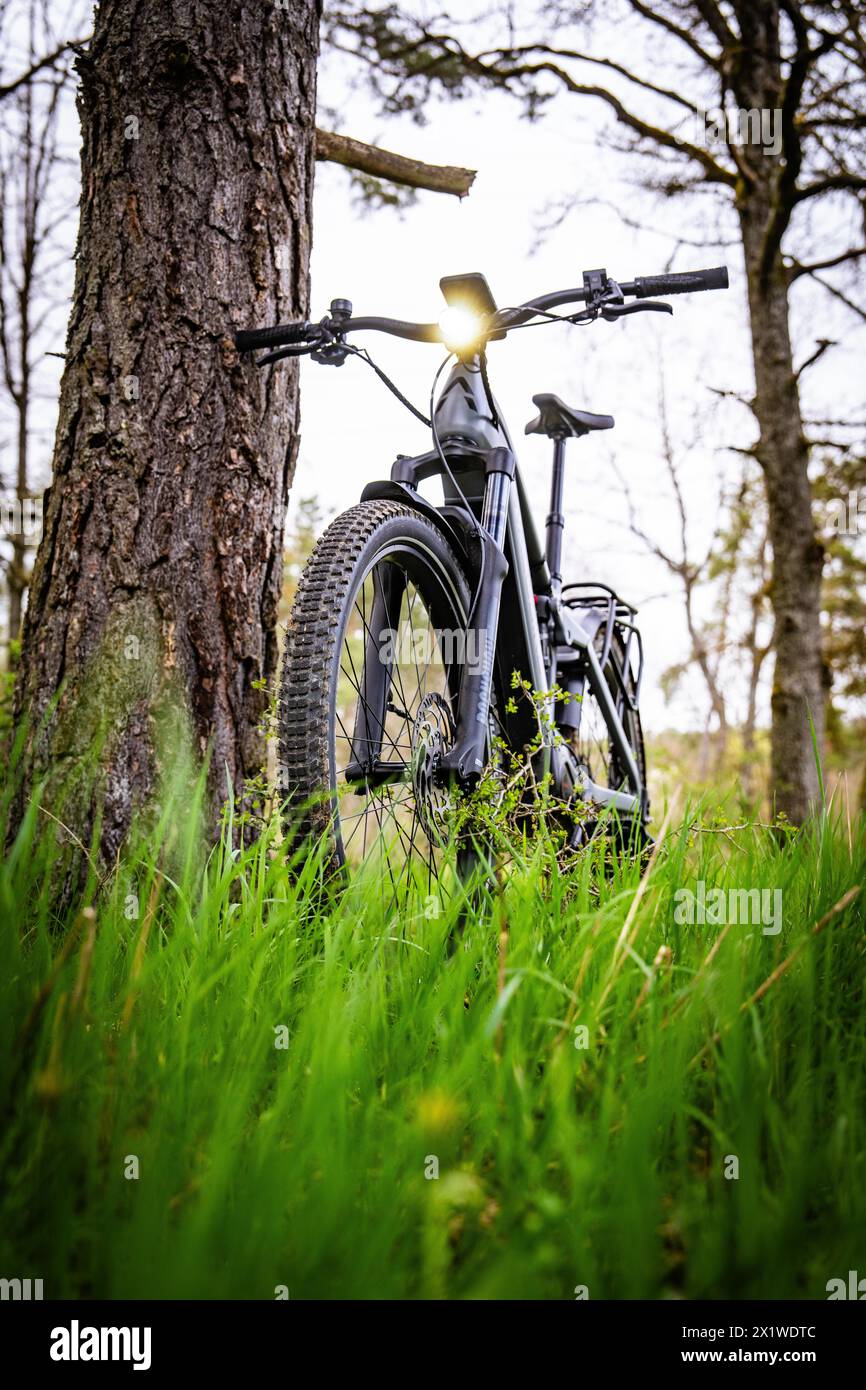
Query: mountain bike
(434, 646)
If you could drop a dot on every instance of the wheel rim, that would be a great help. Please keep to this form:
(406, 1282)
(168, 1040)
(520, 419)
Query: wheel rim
(394, 817)
(591, 745)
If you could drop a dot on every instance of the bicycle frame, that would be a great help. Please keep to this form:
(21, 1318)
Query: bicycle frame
(517, 623)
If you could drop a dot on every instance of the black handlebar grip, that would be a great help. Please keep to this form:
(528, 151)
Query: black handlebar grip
(648, 286)
(248, 339)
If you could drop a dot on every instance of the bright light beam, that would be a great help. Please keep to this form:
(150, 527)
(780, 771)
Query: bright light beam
(460, 327)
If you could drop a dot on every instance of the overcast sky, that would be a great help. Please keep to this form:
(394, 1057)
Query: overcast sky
(391, 264)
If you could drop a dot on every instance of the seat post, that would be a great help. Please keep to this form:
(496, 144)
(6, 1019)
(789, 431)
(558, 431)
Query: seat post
(555, 524)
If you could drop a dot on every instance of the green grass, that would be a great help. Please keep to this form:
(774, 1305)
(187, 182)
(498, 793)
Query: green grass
(150, 1031)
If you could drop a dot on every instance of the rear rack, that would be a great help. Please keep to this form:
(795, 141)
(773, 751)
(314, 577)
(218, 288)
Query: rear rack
(620, 616)
(599, 595)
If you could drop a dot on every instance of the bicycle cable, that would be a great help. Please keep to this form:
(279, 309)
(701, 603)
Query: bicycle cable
(485, 381)
(430, 423)
(392, 387)
(545, 317)
(364, 355)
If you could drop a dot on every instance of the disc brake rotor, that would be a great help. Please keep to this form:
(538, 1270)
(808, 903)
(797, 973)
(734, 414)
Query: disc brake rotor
(432, 735)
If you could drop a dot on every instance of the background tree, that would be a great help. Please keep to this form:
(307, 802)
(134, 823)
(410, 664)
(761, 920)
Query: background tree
(841, 492)
(801, 60)
(35, 205)
(744, 553)
(728, 582)
(307, 524)
(707, 642)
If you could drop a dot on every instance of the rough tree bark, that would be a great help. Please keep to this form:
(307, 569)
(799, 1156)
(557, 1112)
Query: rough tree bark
(757, 653)
(799, 679)
(155, 588)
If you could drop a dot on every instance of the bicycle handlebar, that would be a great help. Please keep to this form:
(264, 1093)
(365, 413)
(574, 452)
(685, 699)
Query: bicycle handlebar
(398, 328)
(684, 282)
(681, 283)
(249, 339)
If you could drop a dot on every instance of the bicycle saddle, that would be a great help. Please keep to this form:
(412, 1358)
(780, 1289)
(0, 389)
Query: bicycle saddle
(556, 419)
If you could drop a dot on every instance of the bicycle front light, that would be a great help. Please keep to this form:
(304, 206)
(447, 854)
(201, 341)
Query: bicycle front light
(461, 328)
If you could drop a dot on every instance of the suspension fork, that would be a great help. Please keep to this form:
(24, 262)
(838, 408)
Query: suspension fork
(375, 678)
(467, 757)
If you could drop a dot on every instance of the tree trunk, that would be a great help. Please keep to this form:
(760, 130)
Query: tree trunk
(155, 588)
(18, 578)
(757, 656)
(18, 566)
(782, 451)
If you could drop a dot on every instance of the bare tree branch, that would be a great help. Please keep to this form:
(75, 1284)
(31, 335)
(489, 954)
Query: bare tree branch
(49, 61)
(844, 181)
(716, 23)
(650, 12)
(837, 294)
(822, 347)
(512, 54)
(796, 269)
(338, 149)
(786, 193)
(396, 168)
(714, 171)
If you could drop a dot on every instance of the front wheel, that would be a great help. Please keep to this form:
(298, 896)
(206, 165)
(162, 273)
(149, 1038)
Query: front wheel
(368, 700)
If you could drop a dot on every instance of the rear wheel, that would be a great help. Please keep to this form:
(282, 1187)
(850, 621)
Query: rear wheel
(596, 754)
(368, 700)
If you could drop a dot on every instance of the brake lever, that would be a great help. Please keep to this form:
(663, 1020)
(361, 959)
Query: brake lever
(612, 312)
(331, 353)
(277, 356)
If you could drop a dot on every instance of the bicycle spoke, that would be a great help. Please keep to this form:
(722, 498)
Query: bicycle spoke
(385, 818)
